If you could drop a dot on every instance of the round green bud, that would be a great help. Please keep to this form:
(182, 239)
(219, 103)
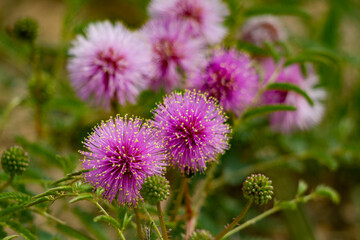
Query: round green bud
(14, 160)
(258, 188)
(155, 189)
(26, 29)
(201, 234)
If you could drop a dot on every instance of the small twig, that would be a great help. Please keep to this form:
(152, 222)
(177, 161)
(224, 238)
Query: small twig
(188, 210)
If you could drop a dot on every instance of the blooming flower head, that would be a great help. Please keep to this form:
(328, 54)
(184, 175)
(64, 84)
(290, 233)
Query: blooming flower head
(109, 64)
(258, 30)
(230, 77)
(192, 129)
(121, 153)
(202, 18)
(305, 115)
(172, 50)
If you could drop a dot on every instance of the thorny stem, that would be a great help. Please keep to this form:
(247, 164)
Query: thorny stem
(152, 222)
(236, 220)
(162, 222)
(2, 187)
(178, 200)
(188, 210)
(138, 224)
(106, 214)
(269, 212)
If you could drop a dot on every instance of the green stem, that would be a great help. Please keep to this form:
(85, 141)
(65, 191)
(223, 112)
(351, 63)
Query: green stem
(120, 233)
(2, 187)
(138, 224)
(162, 222)
(268, 213)
(236, 220)
(178, 200)
(253, 220)
(152, 222)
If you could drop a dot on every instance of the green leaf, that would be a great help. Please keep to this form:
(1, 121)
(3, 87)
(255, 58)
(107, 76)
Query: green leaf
(38, 201)
(302, 188)
(278, 10)
(259, 111)
(316, 55)
(10, 237)
(326, 191)
(10, 210)
(109, 220)
(290, 87)
(17, 227)
(81, 197)
(18, 196)
(54, 191)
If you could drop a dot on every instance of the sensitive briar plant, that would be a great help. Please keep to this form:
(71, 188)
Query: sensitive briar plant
(109, 64)
(305, 115)
(121, 153)
(230, 77)
(201, 18)
(192, 129)
(173, 53)
(14, 160)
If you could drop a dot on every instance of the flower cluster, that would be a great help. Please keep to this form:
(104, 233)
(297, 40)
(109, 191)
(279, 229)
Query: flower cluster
(110, 64)
(305, 115)
(192, 129)
(229, 77)
(201, 18)
(122, 152)
(258, 188)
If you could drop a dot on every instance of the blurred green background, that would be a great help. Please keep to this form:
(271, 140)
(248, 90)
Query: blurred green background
(325, 32)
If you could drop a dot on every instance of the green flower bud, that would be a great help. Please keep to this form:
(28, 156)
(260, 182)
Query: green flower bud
(14, 160)
(26, 29)
(201, 234)
(258, 187)
(155, 189)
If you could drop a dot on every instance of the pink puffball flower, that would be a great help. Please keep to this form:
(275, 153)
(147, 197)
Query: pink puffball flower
(173, 53)
(110, 63)
(121, 153)
(261, 29)
(202, 18)
(305, 115)
(230, 77)
(192, 129)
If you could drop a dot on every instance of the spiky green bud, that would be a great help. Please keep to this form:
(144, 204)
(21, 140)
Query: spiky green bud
(201, 234)
(258, 187)
(14, 160)
(155, 189)
(26, 29)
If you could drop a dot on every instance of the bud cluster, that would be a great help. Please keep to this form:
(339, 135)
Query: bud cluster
(258, 187)
(155, 189)
(14, 160)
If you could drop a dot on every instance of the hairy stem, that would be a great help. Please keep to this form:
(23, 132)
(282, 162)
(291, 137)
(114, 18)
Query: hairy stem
(11, 178)
(120, 233)
(162, 222)
(235, 222)
(153, 223)
(138, 224)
